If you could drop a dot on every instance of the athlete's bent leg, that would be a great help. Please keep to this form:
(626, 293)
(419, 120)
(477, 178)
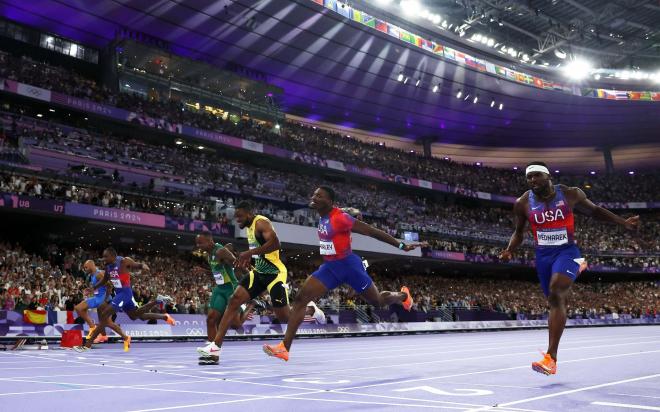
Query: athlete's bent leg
(81, 309)
(240, 296)
(380, 299)
(312, 290)
(560, 285)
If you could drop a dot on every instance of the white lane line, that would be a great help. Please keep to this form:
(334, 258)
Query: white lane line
(176, 374)
(428, 362)
(408, 405)
(196, 405)
(626, 405)
(43, 367)
(586, 388)
(67, 376)
(634, 396)
(491, 371)
(49, 391)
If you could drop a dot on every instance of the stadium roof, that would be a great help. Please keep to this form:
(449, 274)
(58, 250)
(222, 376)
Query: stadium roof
(336, 70)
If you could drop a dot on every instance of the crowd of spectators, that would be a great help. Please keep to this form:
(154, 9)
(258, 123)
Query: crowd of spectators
(219, 181)
(323, 144)
(53, 279)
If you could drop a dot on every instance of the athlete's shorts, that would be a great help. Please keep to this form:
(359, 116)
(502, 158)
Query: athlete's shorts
(256, 283)
(95, 301)
(349, 270)
(565, 260)
(220, 296)
(123, 300)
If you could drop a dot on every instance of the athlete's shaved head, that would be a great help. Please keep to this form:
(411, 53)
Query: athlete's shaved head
(89, 266)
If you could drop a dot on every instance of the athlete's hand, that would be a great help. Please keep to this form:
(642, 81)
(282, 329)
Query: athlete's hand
(632, 223)
(413, 246)
(244, 260)
(145, 267)
(88, 292)
(506, 255)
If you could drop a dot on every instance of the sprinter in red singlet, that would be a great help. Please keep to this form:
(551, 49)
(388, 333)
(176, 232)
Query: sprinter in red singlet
(549, 210)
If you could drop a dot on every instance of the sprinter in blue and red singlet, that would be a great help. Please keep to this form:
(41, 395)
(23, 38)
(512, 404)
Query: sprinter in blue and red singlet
(549, 210)
(118, 274)
(340, 266)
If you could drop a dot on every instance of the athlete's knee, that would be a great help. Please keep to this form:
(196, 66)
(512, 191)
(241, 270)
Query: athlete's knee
(236, 300)
(556, 298)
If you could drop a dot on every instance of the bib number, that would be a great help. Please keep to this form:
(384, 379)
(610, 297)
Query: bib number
(116, 283)
(219, 278)
(552, 237)
(327, 249)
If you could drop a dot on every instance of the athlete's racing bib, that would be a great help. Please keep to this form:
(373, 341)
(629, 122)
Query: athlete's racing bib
(116, 283)
(555, 237)
(219, 278)
(254, 256)
(327, 248)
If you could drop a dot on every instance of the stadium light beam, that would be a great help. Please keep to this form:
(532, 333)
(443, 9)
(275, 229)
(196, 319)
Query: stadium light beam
(577, 69)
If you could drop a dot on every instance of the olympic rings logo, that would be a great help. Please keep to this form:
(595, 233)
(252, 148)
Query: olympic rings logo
(195, 332)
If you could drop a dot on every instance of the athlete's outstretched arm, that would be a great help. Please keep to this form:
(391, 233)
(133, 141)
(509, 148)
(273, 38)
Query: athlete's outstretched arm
(587, 207)
(131, 264)
(368, 230)
(518, 235)
(264, 229)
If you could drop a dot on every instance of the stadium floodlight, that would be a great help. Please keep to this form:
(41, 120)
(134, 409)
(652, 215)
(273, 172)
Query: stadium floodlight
(400, 77)
(200, 147)
(577, 69)
(492, 103)
(560, 54)
(484, 40)
(525, 57)
(593, 172)
(476, 37)
(597, 76)
(436, 19)
(418, 82)
(435, 88)
(501, 106)
(467, 96)
(476, 99)
(405, 80)
(459, 94)
(490, 42)
(461, 33)
(277, 126)
(444, 24)
(632, 172)
(410, 7)
(179, 142)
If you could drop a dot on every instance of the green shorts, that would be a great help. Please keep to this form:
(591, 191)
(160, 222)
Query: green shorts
(220, 296)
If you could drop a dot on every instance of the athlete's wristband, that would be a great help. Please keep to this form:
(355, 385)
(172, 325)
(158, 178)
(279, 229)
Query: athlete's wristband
(401, 245)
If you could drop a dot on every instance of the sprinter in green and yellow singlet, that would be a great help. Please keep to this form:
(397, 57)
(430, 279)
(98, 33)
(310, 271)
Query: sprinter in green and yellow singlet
(220, 260)
(267, 272)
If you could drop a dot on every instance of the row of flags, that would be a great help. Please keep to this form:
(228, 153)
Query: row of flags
(478, 64)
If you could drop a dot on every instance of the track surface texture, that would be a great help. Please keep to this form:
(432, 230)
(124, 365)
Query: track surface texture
(599, 369)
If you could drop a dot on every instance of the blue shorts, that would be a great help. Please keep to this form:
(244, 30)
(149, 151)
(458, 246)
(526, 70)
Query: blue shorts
(348, 270)
(95, 301)
(123, 300)
(550, 260)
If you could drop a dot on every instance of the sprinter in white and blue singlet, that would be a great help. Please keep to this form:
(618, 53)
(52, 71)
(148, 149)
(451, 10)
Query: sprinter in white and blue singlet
(549, 210)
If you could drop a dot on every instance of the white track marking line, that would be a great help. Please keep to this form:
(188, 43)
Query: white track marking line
(490, 371)
(49, 391)
(494, 386)
(43, 367)
(175, 374)
(586, 388)
(65, 376)
(196, 405)
(376, 403)
(626, 405)
(440, 361)
(635, 396)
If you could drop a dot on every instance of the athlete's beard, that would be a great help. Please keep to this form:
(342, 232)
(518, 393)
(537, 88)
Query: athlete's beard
(543, 191)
